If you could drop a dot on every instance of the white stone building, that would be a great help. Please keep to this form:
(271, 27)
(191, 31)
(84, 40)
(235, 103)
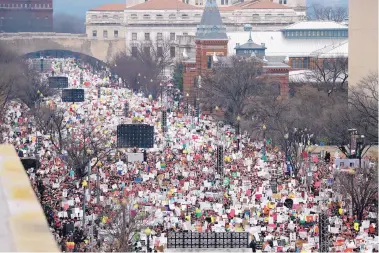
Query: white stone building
(155, 19)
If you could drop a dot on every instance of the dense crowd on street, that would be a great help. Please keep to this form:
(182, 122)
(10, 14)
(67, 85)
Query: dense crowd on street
(177, 184)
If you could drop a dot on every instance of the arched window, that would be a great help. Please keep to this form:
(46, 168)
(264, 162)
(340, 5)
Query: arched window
(105, 16)
(133, 16)
(146, 16)
(94, 17)
(172, 16)
(185, 16)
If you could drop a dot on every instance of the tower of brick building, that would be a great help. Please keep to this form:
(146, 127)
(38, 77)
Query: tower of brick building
(211, 39)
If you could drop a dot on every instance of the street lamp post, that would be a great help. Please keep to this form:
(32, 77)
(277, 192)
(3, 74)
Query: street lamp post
(187, 96)
(238, 132)
(264, 139)
(360, 148)
(148, 233)
(161, 93)
(286, 150)
(138, 81)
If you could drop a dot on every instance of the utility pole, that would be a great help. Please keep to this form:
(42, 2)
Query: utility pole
(84, 195)
(323, 224)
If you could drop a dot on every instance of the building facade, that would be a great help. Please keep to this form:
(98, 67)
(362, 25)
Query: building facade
(106, 22)
(26, 15)
(363, 39)
(211, 42)
(170, 18)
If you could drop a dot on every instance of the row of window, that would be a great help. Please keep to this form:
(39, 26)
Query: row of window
(300, 63)
(135, 35)
(38, 6)
(159, 36)
(160, 16)
(316, 33)
(147, 51)
(105, 33)
(46, 18)
(106, 17)
(201, 2)
(282, 1)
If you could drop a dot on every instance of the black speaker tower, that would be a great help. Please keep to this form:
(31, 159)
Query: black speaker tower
(220, 159)
(164, 121)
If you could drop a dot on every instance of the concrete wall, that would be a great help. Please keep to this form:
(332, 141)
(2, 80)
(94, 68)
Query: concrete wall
(23, 226)
(24, 43)
(363, 39)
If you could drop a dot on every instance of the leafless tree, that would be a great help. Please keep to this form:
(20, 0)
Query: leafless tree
(363, 103)
(232, 83)
(361, 188)
(320, 12)
(125, 222)
(32, 87)
(143, 66)
(83, 145)
(9, 77)
(52, 122)
(329, 75)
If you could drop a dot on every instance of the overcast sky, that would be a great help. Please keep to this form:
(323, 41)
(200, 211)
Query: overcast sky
(79, 7)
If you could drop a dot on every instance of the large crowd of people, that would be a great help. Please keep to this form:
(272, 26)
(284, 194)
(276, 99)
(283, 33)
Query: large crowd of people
(176, 184)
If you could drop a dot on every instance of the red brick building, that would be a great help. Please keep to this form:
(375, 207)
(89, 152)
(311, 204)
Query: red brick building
(211, 40)
(26, 15)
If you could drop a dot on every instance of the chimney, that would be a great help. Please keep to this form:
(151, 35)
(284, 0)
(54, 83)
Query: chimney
(237, 44)
(263, 44)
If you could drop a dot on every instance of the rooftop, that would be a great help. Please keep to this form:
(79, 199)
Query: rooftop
(211, 26)
(179, 5)
(250, 44)
(315, 25)
(278, 45)
(334, 50)
(163, 5)
(311, 76)
(110, 7)
(260, 4)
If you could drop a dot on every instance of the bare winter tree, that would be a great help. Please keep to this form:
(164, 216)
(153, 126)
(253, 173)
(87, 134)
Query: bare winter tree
(126, 222)
(32, 87)
(327, 74)
(233, 83)
(9, 78)
(320, 12)
(360, 188)
(143, 66)
(84, 145)
(363, 103)
(52, 122)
